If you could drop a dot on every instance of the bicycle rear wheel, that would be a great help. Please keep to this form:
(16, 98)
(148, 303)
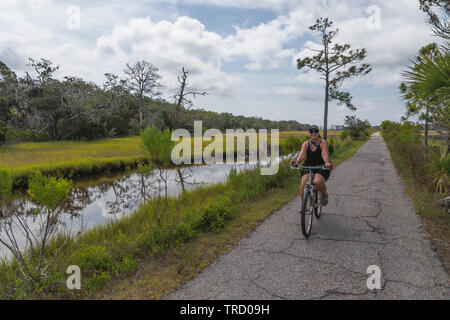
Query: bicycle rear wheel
(307, 213)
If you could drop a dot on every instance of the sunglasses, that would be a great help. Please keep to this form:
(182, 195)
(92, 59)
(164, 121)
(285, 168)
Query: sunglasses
(314, 131)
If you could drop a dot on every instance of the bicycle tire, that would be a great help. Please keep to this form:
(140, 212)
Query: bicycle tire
(318, 207)
(307, 213)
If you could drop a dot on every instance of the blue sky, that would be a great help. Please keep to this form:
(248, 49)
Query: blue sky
(242, 53)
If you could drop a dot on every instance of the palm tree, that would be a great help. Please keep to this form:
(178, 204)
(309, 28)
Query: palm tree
(439, 166)
(415, 104)
(428, 79)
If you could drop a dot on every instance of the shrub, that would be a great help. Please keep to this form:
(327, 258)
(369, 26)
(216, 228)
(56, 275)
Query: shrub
(49, 191)
(331, 146)
(215, 216)
(124, 247)
(404, 142)
(157, 145)
(16, 136)
(344, 135)
(182, 233)
(97, 280)
(127, 266)
(92, 258)
(356, 127)
(159, 240)
(439, 167)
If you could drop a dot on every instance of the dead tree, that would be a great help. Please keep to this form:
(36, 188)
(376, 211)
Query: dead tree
(181, 100)
(180, 97)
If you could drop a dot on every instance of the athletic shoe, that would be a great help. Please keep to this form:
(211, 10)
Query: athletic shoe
(325, 200)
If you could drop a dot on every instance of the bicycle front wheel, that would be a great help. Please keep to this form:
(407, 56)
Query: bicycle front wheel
(307, 213)
(318, 208)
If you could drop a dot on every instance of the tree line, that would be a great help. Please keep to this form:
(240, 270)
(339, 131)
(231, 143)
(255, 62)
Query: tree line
(39, 107)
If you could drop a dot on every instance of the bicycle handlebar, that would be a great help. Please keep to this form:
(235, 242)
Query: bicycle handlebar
(310, 167)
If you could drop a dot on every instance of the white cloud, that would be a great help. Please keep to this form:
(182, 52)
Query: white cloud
(253, 66)
(117, 33)
(300, 93)
(402, 32)
(171, 46)
(286, 90)
(246, 4)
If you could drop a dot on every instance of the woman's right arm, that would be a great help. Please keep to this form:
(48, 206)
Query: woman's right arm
(302, 155)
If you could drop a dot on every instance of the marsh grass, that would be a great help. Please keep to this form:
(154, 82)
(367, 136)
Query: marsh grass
(69, 158)
(199, 225)
(74, 159)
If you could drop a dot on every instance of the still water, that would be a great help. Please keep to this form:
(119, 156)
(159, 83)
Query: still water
(111, 198)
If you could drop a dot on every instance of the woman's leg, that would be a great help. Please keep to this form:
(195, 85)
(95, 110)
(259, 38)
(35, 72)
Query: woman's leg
(302, 185)
(319, 183)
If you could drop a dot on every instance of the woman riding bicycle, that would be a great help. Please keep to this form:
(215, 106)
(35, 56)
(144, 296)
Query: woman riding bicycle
(315, 151)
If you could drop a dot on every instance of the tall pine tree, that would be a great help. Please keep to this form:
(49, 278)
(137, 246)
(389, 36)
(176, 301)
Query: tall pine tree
(335, 63)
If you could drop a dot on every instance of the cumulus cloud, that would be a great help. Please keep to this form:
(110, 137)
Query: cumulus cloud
(114, 34)
(171, 46)
(247, 4)
(400, 34)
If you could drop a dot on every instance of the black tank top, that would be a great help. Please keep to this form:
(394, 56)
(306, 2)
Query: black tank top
(314, 158)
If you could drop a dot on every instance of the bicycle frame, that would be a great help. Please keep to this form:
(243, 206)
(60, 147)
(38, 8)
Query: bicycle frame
(309, 192)
(311, 171)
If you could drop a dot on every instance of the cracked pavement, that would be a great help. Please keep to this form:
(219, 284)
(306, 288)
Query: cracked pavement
(369, 220)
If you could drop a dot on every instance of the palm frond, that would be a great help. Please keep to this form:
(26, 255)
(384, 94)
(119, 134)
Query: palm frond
(430, 78)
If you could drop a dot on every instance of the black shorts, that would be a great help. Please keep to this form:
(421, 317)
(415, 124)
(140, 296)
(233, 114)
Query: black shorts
(324, 173)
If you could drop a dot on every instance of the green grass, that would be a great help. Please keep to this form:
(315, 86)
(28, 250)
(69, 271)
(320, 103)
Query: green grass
(72, 159)
(198, 225)
(426, 204)
(159, 275)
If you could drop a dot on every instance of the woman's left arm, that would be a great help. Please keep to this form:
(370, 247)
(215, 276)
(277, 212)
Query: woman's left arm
(325, 155)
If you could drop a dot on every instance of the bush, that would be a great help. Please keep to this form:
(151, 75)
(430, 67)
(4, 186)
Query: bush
(344, 135)
(356, 127)
(49, 191)
(182, 233)
(404, 142)
(331, 146)
(123, 247)
(97, 280)
(215, 216)
(439, 168)
(16, 136)
(157, 145)
(92, 259)
(127, 266)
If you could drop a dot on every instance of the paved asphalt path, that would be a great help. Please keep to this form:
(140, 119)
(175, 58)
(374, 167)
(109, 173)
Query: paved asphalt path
(369, 220)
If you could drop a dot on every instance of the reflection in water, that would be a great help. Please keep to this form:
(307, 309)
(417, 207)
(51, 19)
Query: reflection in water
(94, 205)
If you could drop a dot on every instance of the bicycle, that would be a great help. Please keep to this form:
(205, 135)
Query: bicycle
(312, 199)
